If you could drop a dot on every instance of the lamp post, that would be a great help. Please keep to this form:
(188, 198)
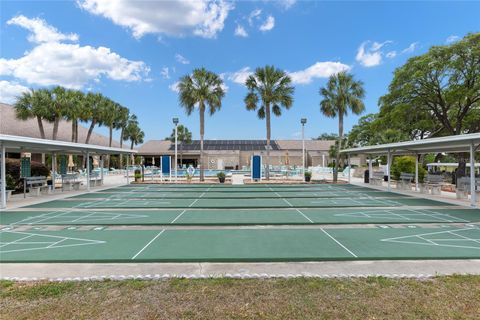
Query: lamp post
(175, 122)
(303, 121)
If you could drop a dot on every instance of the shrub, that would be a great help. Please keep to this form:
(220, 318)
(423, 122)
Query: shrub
(13, 169)
(221, 175)
(138, 174)
(11, 183)
(406, 164)
(308, 174)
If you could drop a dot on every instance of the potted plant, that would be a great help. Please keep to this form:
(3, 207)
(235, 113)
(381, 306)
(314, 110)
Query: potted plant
(189, 177)
(138, 175)
(10, 185)
(308, 176)
(221, 177)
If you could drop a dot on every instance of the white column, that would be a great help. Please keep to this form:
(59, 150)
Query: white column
(3, 192)
(54, 169)
(101, 169)
(473, 195)
(388, 169)
(349, 169)
(176, 163)
(370, 167)
(416, 172)
(323, 160)
(88, 170)
(128, 164)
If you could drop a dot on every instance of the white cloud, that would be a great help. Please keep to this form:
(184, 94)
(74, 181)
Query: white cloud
(287, 4)
(391, 54)
(240, 76)
(9, 91)
(174, 87)
(204, 18)
(369, 53)
(181, 59)
(240, 31)
(451, 39)
(410, 48)
(318, 70)
(41, 31)
(165, 73)
(268, 24)
(69, 65)
(254, 15)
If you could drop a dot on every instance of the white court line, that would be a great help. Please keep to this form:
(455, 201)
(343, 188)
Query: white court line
(178, 216)
(338, 242)
(145, 247)
(298, 210)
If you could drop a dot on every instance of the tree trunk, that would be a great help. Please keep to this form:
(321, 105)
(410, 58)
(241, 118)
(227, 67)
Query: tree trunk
(73, 130)
(76, 131)
(202, 132)
(90, 130)
(267, 159)
(40, 127)
(110, 131)
(56, 122)
(121, 145)
(339, 147)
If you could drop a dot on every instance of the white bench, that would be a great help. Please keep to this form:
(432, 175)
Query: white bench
(36, 185)
(433, 184)
(463, 188)
(95, 179)
(69, 181)
(405, 182)
(377, 178)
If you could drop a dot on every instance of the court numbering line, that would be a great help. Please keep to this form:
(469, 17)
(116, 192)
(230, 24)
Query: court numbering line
(339, 243)
(149, 243)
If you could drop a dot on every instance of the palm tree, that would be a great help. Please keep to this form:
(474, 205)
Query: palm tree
(74, 105)
(123, 117)
(94, 104)
(109, 118)
(272, 88)
(184, 136)
(341, 94)
(58, 100)
(32, 104)
(201, 88)
(133, 132)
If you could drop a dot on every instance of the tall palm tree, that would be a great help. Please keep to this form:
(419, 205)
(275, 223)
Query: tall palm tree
(123, 117)
(133, 132)
(202, 88)
(93, 111)
(269, 89)
(184, 136)
(74, 105)
(341, 94)
(57, 106)
(32, 104)
(109, 118)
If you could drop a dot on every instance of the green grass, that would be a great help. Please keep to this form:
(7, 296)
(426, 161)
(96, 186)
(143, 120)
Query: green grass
(452, 297)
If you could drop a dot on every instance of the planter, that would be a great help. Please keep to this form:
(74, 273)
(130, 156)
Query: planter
(307, 179)
(8, 194)
(221, 179)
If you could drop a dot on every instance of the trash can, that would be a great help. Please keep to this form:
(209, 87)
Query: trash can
(366, 176)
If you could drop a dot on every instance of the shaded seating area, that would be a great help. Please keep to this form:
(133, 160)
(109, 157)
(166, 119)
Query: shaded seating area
(36, 185)
(466, 188)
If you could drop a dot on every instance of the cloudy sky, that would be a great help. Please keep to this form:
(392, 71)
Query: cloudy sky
(135, 52)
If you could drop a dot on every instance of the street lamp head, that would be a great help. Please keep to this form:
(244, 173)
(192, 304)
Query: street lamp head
(175, 121)
(303, 120)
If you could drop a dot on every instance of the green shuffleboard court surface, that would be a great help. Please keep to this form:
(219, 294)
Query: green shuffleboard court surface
(239, 245)
(184, 223)
(240, 216)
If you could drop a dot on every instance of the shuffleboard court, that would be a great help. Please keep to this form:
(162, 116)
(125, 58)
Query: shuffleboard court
(240, 216)
(223, 245)
(182, 223)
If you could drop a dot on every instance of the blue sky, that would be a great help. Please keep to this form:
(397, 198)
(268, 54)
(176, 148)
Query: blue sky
(134, 52)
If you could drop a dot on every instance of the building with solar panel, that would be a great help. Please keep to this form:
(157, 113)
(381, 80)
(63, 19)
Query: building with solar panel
(235, 154)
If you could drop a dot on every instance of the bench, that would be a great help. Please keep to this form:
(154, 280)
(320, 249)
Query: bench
(405, 182)
(433, 184)
(463, 188)
(377, 178)
(69, 182)
(95, 179)
(7, 191)
(36, 185)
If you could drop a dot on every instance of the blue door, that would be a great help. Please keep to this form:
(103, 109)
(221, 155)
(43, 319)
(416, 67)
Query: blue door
(256, 167)
(166, 165)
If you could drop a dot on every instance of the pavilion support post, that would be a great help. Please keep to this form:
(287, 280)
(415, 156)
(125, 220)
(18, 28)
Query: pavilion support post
(3, 169)
(88, 171)
(54, 169)
(349, 170)
(416, 172)
(370, 167)
(389, 163)
(473, 195)
(101, 169)
(128, 164)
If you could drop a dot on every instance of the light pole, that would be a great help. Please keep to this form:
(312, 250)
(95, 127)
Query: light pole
(175, 122)
(303, 121)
